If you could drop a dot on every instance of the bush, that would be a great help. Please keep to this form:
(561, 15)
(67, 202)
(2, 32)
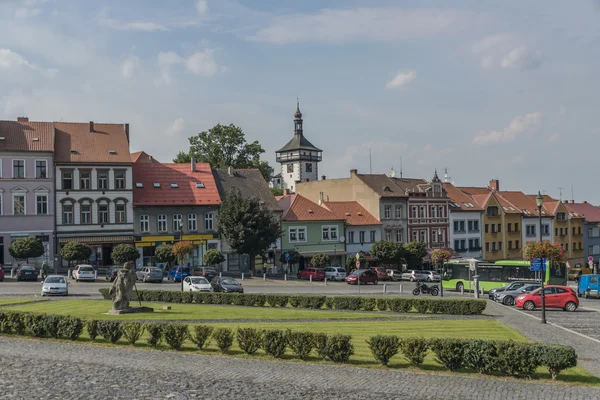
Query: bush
(175, 334)
(329, 302)
(155, 330)
(200, 335)
(383, 304)
(104, 293)
(481, 355)
(224, 338)
(517, 359)
(384, 347)
(15, 323)
(132, 331)
(4, 328)
(295, 301)
(275, 342)
(314, 302)
(369, 303)
(400, 305)
(414, 349)
(187, 297)
(339, 348)
(35, 325)
(91, 325)
(421, 305)
(301, 343)
(52, 323)
(448, 352)
(558, 358)
(70, 327)
(110, 330)
(277, 300)
(238, 300)
(249, 339)
(320, 344)
(354, 303)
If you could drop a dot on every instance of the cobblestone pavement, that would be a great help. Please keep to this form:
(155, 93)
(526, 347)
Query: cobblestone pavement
(37, 369)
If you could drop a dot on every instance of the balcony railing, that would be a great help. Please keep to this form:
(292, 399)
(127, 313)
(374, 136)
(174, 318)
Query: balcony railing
(297, 157)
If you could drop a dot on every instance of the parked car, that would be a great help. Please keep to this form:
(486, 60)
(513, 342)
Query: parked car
(196, 284)
(317, 274)
(111, 273)
(575, 273)
(381, 273)
(335, 273)
(433, 276)
(508, 296)
(394, 274)
(55, 284)
(175, 273)
(362, 277)
(27, 273)
(1, 273)
(149, 274)
(414, 275)
(207, 272)
(556, 297)
(510, 287)
(84, 272)
(226, 284)
(589, 285)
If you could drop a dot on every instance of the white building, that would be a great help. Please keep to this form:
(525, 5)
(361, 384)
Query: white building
(465, 223)
(94, 198)
(299, 159)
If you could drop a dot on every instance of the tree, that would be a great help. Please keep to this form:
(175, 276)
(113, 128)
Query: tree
(294, 257)
(124, 253)
(277, 191)
(225, 146)
(26, 248)
(247, 226)
(548, 250)
(414, 253)
(75, 251)
(320, 260)
(351, 260)
(182, 249)
(164, 254)
(387, 252)
(439, 256)
(213, 257)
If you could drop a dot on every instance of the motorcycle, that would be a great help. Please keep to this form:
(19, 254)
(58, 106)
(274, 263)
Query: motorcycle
(433, 290)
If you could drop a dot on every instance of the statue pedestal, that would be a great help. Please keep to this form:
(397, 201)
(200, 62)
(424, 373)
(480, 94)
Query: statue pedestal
(132, 310)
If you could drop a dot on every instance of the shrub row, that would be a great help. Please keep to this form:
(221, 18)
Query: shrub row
(41, 325)
(506, 358)
(395, 304)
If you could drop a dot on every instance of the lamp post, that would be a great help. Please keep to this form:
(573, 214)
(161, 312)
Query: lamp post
(540, 201)
(442, 271)
(473, 267)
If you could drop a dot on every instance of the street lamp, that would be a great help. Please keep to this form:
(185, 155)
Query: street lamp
(473, 267)
(540, 201)
(442, 272)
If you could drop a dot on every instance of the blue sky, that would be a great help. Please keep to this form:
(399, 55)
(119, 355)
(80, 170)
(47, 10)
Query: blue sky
(494, 89)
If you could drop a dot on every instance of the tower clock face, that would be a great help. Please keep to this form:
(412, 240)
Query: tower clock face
(290, 168)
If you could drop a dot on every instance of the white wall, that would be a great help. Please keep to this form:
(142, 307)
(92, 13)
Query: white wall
(353, 248)
(466, 216)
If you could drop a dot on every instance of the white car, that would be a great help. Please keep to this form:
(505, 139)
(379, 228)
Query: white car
(433, 276)
(196, 284)
(335, 273)
(55, 284)
(84, 272)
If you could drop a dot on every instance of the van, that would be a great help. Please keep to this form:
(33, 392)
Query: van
(589, 286)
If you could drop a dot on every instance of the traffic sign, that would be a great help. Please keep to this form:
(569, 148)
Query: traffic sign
(539, 264)
(591, 259)
(287, 256)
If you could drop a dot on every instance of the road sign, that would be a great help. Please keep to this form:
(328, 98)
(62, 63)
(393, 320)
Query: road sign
(591, 259)
(357, 263)
(539, 264)
(287, 256)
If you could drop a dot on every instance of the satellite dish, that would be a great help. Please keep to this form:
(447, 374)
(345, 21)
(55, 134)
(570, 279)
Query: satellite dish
(342, 239)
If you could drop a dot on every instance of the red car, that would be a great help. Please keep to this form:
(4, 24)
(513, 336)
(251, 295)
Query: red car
(556, 297)
(382, 274)
(365, 276)
(318, 274)
(1, 273)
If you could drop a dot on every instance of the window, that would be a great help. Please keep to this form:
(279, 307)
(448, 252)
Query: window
(119, 179)
(139, 185)
(156, 185)
(492, 211)
(290, 168)
(510, 244)
(388, 235)
(1, 212)
(103, 213)
(574, 231)
(433, 212)
(493, 228)
(19, 204)
(177, 222)
(102, 179)
(121, 216)
(566, 246)
(499, 228)
(474, 244)
(487, 246)
(329, 232)
(456, 245)
(174, 185)
(516, 227)
(18, 169)
(517, 245)
(434, 236)
(424, 236)
(414, 213)
(399, 236)
(41, 169)
(162, 223)
(499, 246)
(579, 230)
(361, 237)
(297, 234)
(41, 204)
(473, 226)
(67, 214)
(192, 226)
(387, 212)
(398, 212)
(372, 238)
(144, 223)
(308, 167)
(493, 246)
(86, 213)
(546, 230)
(67, 180)
(441, 212)
(530, 230)
(561, 216)
(509, 227)
(415, 236)
(208, 222)
(85, 180)
(423, 211)
(351, 237)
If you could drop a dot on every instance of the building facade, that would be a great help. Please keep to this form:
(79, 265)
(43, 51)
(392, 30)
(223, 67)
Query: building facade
(362, 228)
(591, 229)
(26, 186)
(465, 223)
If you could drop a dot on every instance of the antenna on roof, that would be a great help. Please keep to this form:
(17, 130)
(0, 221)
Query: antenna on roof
(370, 167)
(560, 192)
(400, 166)
(572, 197)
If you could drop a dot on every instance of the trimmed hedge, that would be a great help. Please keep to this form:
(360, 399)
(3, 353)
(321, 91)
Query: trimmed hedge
(41, 325)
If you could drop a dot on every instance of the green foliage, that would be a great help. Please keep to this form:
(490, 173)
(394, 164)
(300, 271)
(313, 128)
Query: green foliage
(175, 334)
(351, 260)
(277, 191)
(22, 249)
(414, 253)
(384, 347)
(52, 325)
(369, 303)
(155, 332)
(517, 359)
(320, 260)
(182, 158)
(275, 343)
(294, 257)
(92, 327)
(132, 331)
(249, 339)
(339, 348)
(277, 300)
(200, 335)
(400, 305)
(448, 352)
(164, 254)
(329, 303)
(383, 303)
(75, 251)
(70, 327)
(213, 257)
(314, 302)
(414, 349)
(320, 344)
(110, 330)
(387, 252)
(295, 301)
(481, 355)
(558, 358)
(35, 325)
(421, 305)
(224, 338)
(301, 343)
(125, 253)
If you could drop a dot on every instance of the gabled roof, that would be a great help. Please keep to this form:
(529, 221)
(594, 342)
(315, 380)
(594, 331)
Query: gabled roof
(383, 185)
(250, 182)
(482, 196)
(23, 135)
(141, 156)
(460, 200)
(591, 212)
(302, 209)
(550, 205)
(352, 212)
(523, 203)
(107, 143)
(186, 191)
(298, 142)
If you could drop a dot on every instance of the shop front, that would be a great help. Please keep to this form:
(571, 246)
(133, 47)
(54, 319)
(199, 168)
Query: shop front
(102, 247)
(202, 242)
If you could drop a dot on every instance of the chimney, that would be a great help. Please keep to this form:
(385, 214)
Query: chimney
(91, 126)
(150, 159)
(230, 171)
(286, 192)
(193, 164)
(321, 197)
(306, 179)
(323, 178)
(353, 172)
(495, 185)
(126, 127)
(22, 119)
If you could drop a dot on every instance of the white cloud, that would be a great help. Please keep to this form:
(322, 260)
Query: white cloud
(487, 62)
(165, 61)
(365, 24)
(506, 51)
(146, 26)
(522, 58)
(554, 138)
(129, 66)
(202, 63)
(9, 60)
(517, 126)
(202, 6)
(176, 127)
(401, 79)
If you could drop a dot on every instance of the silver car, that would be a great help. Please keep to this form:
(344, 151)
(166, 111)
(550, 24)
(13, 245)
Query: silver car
(508, 297)
(414, 275)
(335, 273)
(55, 284)
(394, 274)
(149, 274)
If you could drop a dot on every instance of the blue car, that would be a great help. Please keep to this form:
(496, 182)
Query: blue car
(588, 286)
(175, 273)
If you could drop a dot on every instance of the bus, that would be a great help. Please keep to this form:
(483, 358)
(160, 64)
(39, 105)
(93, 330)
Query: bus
(458, 275)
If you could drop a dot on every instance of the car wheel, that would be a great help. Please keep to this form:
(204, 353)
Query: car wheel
(144, 280)
(586, 295)
(375, 282)
(76, 280)
(529, 306)
(42, 294)
(508, 301)
(571, 306)
(66, 293)
(298, 276)
(412, 279)
(460, 286)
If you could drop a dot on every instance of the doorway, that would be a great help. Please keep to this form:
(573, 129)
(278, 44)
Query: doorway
(106, 255)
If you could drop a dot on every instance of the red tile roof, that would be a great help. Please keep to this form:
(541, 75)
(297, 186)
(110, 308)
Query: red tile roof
(482, 195)
(180, 174)
(141, 156)
(352, 212)
(462, 200)
(76, 144)
(591, 212)
(302, 209)
(23, 135)
(523, 203)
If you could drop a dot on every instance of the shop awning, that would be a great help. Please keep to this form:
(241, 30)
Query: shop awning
(97, 239)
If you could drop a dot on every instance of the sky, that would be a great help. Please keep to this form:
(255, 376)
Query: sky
(502, 90)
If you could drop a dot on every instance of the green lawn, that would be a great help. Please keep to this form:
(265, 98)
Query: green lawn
(7, 302)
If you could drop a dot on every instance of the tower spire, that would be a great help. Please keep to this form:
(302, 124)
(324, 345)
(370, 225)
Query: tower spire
(298, 119)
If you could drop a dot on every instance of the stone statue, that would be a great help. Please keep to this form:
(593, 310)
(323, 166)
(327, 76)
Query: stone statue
(122, 287)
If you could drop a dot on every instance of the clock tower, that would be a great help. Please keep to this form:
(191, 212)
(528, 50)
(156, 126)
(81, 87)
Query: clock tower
(299, 159)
